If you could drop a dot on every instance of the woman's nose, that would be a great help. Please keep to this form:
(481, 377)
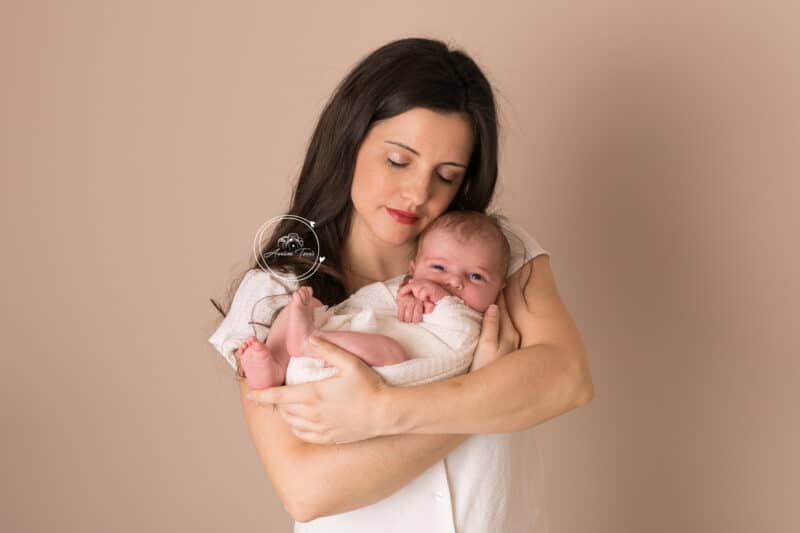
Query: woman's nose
(416, 190)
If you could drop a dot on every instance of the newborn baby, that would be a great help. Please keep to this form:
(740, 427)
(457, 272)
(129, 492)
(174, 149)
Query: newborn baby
(462, 254)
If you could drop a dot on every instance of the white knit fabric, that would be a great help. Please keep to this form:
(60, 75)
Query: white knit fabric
(440, 346)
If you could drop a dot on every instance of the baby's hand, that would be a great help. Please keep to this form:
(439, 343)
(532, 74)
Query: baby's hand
(411, 309)
(424, 290)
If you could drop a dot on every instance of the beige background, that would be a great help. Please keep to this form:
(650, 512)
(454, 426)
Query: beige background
(651, 147)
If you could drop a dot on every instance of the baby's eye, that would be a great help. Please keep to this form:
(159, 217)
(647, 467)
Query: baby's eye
(437, 267)
(477, 277)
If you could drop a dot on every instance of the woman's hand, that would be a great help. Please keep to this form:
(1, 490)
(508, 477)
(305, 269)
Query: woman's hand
(498, 335)
(339, 409)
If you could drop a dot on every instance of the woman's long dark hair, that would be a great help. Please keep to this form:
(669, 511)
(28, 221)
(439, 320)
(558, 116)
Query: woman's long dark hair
(395, 78)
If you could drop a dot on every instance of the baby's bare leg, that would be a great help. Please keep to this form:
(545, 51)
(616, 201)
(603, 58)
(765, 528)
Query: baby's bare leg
(264, 364)
(372, 348)
(300, 321)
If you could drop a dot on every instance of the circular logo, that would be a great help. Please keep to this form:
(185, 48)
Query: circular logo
(290, 244)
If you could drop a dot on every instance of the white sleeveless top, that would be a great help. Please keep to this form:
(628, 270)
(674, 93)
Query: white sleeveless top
(491, 483)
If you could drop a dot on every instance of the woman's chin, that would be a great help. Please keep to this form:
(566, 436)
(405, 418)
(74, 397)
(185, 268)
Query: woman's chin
(399, 234)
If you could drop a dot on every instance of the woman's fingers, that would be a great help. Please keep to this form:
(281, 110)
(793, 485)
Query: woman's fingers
(310, 436)
(491, 326)
(300, 423)
(299, 410)
(300, 393)
(344, 406)
(509, 336)
(487, 349)
(332, 354)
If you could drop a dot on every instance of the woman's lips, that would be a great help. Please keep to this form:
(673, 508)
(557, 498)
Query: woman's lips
(402, 216)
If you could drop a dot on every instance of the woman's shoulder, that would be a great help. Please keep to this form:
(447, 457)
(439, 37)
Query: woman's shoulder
(254, 302)
(257, 280)
(258, 290)
(523, 245)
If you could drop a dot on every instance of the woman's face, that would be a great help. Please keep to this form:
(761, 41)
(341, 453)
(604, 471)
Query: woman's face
(413, 163)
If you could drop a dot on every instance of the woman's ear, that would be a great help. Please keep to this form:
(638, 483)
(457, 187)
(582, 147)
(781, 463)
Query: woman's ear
(411, 266)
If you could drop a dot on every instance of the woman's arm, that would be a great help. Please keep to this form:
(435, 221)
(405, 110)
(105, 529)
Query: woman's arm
(314, 480)
(546, 377)
(538, 382)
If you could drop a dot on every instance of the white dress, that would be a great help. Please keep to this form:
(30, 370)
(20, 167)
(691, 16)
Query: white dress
(491, 483)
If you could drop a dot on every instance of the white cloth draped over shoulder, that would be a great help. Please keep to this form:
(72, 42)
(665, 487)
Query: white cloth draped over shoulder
(491, 483)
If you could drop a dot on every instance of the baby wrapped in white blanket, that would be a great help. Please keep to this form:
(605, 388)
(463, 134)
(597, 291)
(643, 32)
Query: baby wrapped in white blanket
(438, 347)
(412, 329)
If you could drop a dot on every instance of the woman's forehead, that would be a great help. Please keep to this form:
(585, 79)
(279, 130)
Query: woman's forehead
(432, 135)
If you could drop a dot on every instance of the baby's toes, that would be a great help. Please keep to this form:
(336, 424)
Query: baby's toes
(305, 296)
(256, 347)
(254, 350)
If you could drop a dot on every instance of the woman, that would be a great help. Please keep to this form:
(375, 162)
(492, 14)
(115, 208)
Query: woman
(410, 133)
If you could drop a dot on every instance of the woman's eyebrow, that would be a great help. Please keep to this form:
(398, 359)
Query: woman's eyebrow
(401, 145)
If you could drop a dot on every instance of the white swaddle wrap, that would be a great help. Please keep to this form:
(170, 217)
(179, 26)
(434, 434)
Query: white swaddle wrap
(440, 346)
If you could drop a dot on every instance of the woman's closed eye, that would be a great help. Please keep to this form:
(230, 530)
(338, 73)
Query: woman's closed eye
(395, 164)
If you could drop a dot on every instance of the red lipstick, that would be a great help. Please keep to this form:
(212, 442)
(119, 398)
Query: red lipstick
(402, 217)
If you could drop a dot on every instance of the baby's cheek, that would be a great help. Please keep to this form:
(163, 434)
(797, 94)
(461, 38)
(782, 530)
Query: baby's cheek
(489, 296)
(474, 299)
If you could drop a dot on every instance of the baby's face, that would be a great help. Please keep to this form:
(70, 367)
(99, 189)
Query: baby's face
(469, 270)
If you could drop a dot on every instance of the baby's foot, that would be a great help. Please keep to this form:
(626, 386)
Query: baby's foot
(261, 370)
(301, 321)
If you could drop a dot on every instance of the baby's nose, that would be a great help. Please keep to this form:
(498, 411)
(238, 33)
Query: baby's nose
(455, 281)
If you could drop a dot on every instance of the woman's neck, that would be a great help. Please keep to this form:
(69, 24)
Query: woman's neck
(366, 260)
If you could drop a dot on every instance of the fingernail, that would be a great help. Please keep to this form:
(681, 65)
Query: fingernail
(313, 340)
(492, 311)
